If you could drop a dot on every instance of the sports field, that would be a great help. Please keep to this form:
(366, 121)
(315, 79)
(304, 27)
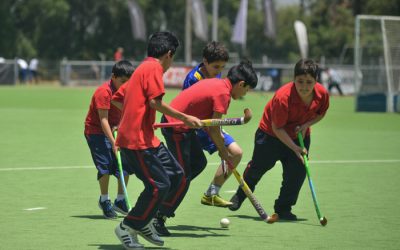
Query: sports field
(49, 191)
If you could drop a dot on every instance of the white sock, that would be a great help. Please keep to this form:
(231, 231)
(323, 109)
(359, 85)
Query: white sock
(213, 190)
(104, 197)
(120, 197)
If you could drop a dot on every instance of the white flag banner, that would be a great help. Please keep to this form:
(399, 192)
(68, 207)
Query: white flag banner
(199, 17)
(138, 24)
(302, 39)
(240, 30)
(269, 19)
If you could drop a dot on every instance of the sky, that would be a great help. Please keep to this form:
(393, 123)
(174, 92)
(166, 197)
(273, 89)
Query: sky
(279, 3)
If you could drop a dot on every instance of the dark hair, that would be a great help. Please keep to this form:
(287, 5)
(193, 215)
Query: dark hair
(306, 66)
(160, 43)
(215, 51)
(123, 68)
(243, 72)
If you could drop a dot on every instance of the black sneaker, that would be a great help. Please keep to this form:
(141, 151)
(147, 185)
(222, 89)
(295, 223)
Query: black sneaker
(236, 203)
(120, 206)
(107, 209)
(287, 216)
(159, 225)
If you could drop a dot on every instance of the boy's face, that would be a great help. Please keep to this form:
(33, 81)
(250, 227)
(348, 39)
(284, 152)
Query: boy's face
(304, 85)
(119, 80)
(167, 61)
(239, 90)
(214, 68)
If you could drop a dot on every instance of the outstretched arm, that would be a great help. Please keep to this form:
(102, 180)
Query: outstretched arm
(164, 108)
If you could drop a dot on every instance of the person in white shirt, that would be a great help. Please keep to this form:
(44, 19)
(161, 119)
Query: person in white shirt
(23, 70)
(33, 70)
(334, 80)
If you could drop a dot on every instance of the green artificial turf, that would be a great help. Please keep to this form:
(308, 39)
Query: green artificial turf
(45, 163)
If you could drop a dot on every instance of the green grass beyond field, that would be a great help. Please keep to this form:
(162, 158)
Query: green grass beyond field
(49, 191)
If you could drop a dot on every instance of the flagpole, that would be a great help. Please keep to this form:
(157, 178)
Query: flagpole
(188, 33)
(215, 20)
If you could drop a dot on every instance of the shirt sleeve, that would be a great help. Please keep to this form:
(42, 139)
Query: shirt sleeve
(102, 99)
(279, 111)
(221, 103)
(190, 80)
(324, 105)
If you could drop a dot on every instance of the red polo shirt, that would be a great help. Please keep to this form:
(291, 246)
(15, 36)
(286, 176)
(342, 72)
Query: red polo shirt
(102, 100)
(203, 99)
(136, 127)
(287, 110)
(120, 94)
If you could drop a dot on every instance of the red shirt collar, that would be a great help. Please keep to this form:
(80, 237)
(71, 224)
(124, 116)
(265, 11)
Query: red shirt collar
(150, 59)
(228, 84)
(112, 87)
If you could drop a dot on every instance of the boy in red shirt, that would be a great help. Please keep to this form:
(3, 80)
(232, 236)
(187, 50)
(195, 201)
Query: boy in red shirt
(294, 108)
(152, 162)
(102, 116)
(215, 56)
(208, 98)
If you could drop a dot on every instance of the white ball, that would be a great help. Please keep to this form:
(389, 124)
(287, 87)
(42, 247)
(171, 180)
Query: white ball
(224, 223)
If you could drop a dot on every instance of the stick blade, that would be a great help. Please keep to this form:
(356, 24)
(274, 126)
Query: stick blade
(273, 218)
(323, 221)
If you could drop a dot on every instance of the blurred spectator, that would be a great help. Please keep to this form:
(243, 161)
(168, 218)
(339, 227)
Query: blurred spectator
(33, 70)
(23, 70)
(119, 54)
(334, 80)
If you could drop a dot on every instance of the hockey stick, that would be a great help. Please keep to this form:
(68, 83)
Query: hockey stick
(322, 219)
(212, 122)
(256, 204)
(121, 176)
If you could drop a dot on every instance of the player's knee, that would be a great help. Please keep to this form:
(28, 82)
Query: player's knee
(235, 151)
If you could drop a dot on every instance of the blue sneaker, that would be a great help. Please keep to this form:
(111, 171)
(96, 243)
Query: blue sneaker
(107, 209)
(121, 207)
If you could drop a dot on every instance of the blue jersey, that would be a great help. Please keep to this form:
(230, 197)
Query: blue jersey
(194, 76)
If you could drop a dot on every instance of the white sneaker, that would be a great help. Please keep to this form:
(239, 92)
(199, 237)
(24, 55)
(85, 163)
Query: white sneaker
(127, 237)
(149, 233)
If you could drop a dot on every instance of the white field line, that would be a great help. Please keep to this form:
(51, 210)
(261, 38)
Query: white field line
(45, 168)
(210, 163)
(34, 208)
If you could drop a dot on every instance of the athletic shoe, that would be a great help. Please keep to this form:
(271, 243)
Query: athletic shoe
(215, 200)
(121, 207)
(159, 225)
(236, 203)
(287, 216)
(107, 209)
(127, 237)
(149, 233)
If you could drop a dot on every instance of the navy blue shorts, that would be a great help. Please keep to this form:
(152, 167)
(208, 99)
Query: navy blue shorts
(208, 144)
(104, 158)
